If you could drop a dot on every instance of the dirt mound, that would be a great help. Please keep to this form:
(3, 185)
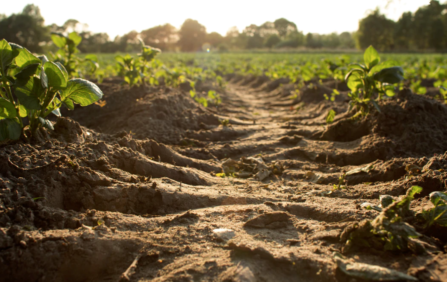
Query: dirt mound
(315, 93)
(259, 198)
(416, 124)
(159, 113)
(413, 123)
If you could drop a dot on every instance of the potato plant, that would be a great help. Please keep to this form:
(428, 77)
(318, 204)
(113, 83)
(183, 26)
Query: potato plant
(371, 81)
(66, 54)
(136, 70)
(32, 88)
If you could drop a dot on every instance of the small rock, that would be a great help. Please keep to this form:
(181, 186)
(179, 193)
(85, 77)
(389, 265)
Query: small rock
(272, 220)
(224, 234)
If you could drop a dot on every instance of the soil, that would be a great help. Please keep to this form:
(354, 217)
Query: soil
(132, 190)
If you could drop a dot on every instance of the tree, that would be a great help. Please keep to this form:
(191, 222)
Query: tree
(403, 31)
(376, 30)
(162, 36)
(428, 29)
(272, 40)
(331, 40)
(26, 29)
(192, 36)
(346, 40)
(234, 39)
(285, 27)
(93, 42)
(293, 40)
(313, 40)
(214, 39)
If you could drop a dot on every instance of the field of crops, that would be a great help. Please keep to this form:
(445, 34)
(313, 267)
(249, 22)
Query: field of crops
(222, 166)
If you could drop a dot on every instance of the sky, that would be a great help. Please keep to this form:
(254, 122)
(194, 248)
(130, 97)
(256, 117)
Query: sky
(120, 17)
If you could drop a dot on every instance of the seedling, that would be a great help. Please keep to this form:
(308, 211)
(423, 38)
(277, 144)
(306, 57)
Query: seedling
(330, 116)
(66, 55)
(36, 87)
(387, 231)
(369, 82)
(225, 122)
(136, 70)
(341, 183)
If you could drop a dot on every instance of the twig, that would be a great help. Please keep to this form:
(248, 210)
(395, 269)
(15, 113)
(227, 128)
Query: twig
(61, 158)
(130, 270)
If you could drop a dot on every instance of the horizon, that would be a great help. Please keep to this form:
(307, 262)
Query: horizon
(348, 13)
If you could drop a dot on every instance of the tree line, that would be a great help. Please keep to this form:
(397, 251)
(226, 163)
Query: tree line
(426, 29)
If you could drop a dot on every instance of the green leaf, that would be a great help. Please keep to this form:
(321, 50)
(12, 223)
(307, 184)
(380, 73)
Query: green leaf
(354, 81)
(23, 112)
(92, 57)
(421, 90)
(7, 55)
(353, 71)
(81, 91)
(59, 39)
(330, 116)
(69, 104)
(384, 65)
(26, 73)
(57, 76)
(389, 90)
(32, 88)
(63, 69)
(438, 197)
(149, 53)
(74, 36)
(15, 46)
(53, 108)
(25, 58)
(371, 57)
(27, 100)
(7, 109)
(390, 75)
(10, 129)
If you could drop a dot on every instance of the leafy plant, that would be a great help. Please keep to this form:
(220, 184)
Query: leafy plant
(438, 214)
(417, 88)
(35, 87)
(369, 82)
(136, 70)
(330, 116)
(66, 55)
(387, 231)
(341, 183)
(214, 97)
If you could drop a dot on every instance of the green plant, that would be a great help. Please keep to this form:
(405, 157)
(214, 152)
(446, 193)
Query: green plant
(387, 231)
(135, 70)
(66, 55)
(438, 214)
(330, 116)
(369, 82)
(34, 87)
(214, 97)
(225, 122)
(417, 88)
(341, 183)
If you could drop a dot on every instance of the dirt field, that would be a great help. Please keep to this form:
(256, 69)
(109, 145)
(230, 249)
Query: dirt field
(134, 191)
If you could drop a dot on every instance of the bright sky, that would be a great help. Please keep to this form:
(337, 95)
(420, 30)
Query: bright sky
(120, 17)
